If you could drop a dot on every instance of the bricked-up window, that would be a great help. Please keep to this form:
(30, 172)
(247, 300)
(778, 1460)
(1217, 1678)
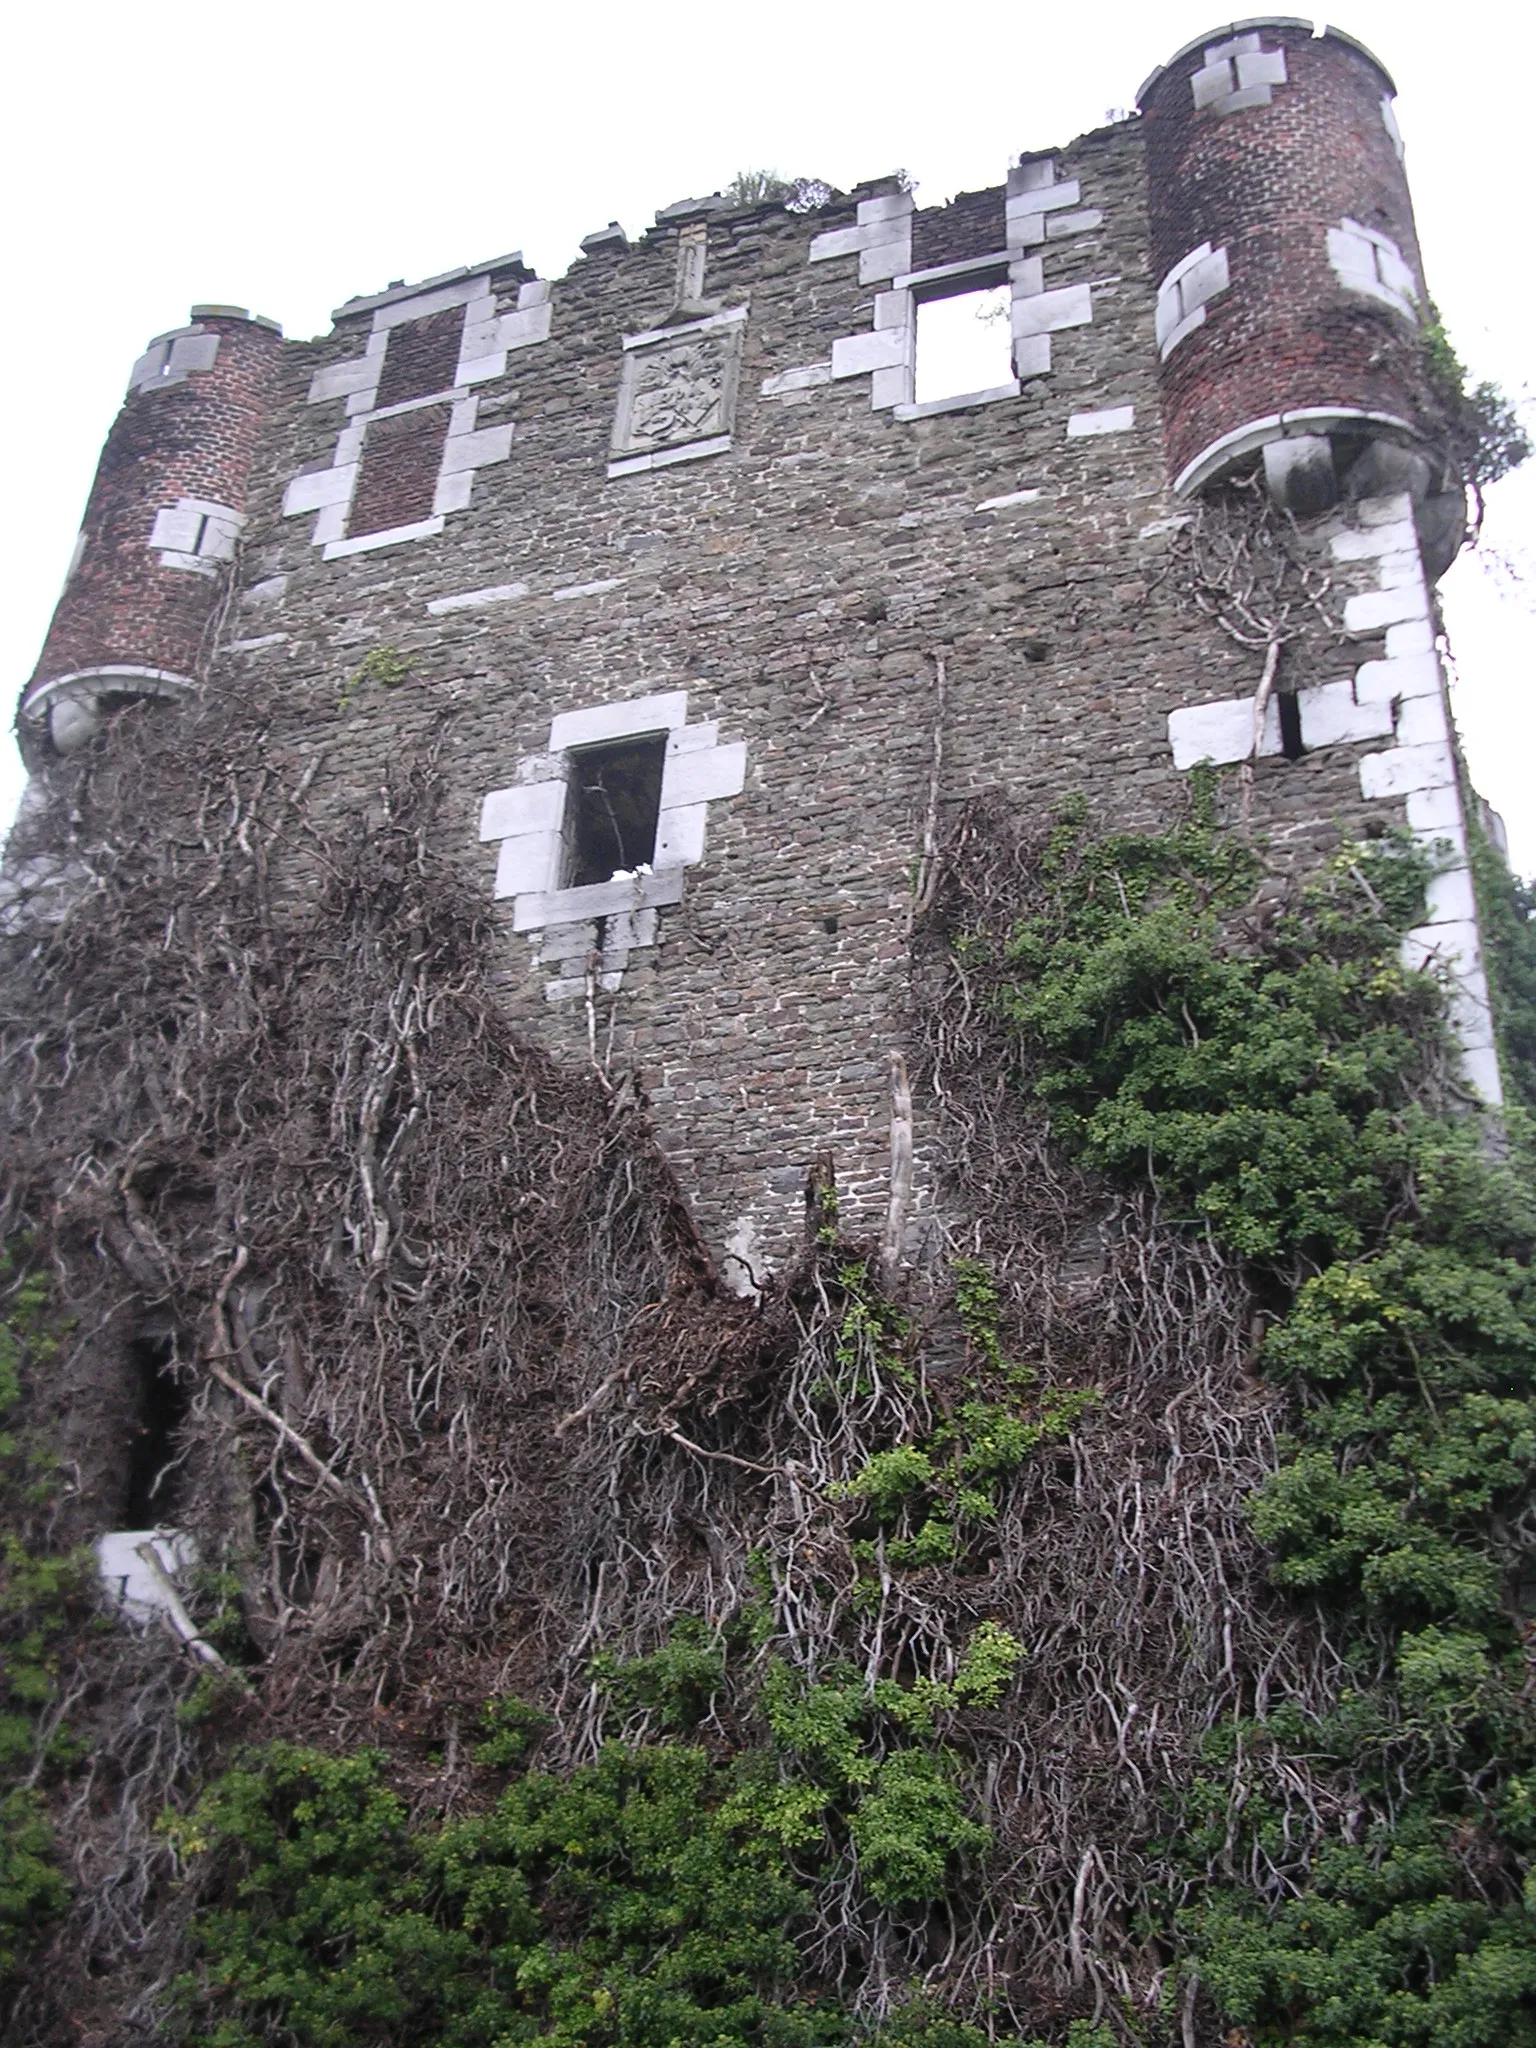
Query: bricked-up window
(398, 481)
(971, 225)
(422, 357)
(964, 343)
(615, 803)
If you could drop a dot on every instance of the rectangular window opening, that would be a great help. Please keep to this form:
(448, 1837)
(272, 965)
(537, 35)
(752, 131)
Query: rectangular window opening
(964, 343)
(615, 805)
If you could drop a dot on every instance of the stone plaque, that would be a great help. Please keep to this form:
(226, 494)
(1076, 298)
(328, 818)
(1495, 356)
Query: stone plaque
(676, 390)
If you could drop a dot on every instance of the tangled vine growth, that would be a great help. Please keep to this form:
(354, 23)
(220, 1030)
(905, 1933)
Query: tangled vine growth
(1109, 1635)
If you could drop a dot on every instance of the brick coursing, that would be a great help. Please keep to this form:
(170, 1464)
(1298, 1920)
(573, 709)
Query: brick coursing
(398, 478)
(422, 357)
(192, 439)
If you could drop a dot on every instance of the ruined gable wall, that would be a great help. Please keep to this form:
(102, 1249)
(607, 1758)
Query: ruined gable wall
(798, 589)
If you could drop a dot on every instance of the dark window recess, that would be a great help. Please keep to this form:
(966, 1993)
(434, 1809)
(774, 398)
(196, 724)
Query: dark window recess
(421, 357)
(398, 480)
(615, 804)
(1290, 726)
(160, 1401)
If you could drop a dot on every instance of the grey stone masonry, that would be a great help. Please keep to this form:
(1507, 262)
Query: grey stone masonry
(706, 519)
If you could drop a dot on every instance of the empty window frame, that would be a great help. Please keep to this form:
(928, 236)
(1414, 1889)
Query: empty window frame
(613, 808)
(964, 342)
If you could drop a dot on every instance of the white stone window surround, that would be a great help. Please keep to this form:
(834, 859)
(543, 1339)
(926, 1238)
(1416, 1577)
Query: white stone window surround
(196, 534)
(487, 340)
(170, 357)
(67, 704)
(1186, 291)
(1236, 74)
(1038, 208)
(529, 819)
(1367, 261)
(1401, 698)
(730, 322)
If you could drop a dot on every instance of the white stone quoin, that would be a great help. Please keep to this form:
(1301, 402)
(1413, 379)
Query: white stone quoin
(1401, 698)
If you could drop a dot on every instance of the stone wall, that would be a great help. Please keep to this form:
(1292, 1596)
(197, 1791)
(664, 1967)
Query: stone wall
(686, 490)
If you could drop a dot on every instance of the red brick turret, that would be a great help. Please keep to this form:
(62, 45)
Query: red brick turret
(163, 518)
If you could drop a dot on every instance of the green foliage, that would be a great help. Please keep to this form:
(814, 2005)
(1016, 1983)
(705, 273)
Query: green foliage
(1262, 1085)
(510, 1728)
(1485, 430)
(385, 666)
(1266, 1075)
(42, 1596)
(1507, 913)
(676, 1683)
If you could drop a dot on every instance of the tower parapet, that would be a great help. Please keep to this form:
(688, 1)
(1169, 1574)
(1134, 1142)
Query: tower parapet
(1291, 298)
(164, 515)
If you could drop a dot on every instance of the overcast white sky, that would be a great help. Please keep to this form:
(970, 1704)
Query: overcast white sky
(284, 156)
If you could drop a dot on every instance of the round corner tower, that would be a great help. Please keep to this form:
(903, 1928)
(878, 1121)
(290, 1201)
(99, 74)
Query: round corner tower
(1291, 297)
(163, 519)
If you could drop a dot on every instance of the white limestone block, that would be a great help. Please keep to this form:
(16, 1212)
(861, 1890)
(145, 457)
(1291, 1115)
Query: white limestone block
(528, 325)
(692, 739)
(1026, 230)
(888, 206)
(1048, 312)
(1455, 948)
(1117, 419)
(1402, 570)
(1450, 897)
(527, 807)
(680, 835)
(148, 367)
(1205, 278)
(192, 352)
(893, 309)
(529, 862)
(1435, 814)
(704, 776)
(1416, 636)
(1421, 721)
(1032, 177)
(177, 526)
(138, 1567)
(340, 380)
(835, 242)
(472, 600)
(1395, 536)
(598, 588)
(1260, 67)
(1181, 330)
(589, 728)
(1212, 83)
(878, 260)
(1331, 716)
(453, 492)
(1401, 769)
(1221, 732)
(1031, 355)
(883, 348)
(1059, 225)
(319, 487)
(1480, 1066)
(477, 450)
(1370, 610)
(890, 387)
(1027, 276)
(803, 378)
(603, 899)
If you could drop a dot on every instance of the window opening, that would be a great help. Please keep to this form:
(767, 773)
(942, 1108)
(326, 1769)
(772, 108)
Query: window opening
(964, 343)
(161, 1403)
(615, 807)
(1290, 725)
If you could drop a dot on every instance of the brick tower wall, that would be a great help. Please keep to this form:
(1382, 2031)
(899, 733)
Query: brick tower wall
(1276, 186)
